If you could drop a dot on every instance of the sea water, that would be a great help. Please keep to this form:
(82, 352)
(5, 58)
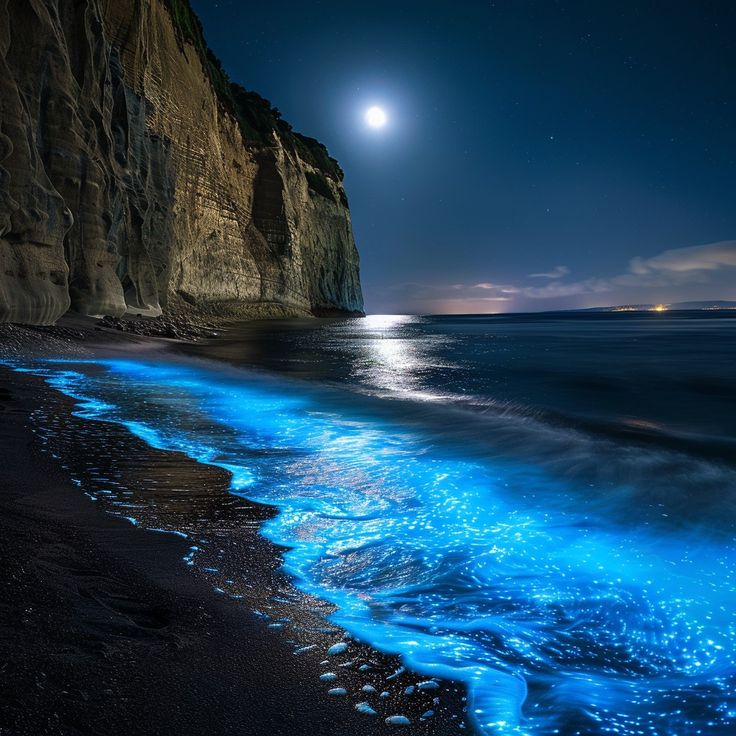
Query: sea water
(540, 508)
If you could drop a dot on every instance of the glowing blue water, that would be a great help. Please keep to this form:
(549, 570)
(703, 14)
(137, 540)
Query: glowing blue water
(494, 574)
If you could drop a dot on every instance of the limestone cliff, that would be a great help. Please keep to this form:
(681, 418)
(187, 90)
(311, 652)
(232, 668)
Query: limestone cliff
(134, 177)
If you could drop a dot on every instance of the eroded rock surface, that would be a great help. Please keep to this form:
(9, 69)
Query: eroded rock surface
(130, 184)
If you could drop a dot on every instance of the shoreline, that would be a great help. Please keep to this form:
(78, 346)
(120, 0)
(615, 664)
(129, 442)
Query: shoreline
(122, 629)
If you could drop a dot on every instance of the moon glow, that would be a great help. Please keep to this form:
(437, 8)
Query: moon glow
(375, 117)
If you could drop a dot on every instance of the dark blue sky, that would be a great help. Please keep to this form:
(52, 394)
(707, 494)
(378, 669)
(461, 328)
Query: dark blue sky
(586, 143)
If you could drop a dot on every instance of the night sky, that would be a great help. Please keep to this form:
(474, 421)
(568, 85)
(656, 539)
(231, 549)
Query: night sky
(538, 155)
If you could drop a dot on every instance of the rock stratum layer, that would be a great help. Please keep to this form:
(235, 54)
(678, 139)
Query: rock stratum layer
(134, 178)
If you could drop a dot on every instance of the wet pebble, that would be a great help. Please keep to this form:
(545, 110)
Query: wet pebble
(365, 709)
(398, 721)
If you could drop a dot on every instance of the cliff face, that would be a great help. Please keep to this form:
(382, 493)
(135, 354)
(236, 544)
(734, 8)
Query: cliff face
(129, 184)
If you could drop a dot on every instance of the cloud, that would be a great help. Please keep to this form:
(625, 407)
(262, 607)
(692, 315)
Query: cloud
(675, 267)
(556, 273)
(693, 271)
(558, 289)
(709, 257)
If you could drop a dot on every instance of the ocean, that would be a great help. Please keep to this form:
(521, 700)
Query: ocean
(541, 508)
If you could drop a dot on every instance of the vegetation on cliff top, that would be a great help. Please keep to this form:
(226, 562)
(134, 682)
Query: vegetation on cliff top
(257, 118)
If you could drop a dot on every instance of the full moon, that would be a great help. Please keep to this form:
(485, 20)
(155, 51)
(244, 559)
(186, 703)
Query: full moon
(375, 117)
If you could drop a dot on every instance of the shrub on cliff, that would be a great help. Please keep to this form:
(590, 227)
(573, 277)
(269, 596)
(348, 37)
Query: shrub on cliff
(257, 118)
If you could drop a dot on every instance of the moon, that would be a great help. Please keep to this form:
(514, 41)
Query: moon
(376, 117)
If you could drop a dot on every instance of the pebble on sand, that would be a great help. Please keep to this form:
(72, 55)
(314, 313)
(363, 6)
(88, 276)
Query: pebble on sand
(398, 721)
(365, 709)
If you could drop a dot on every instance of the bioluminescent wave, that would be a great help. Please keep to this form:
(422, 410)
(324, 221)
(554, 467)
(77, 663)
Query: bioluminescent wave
(557, 618)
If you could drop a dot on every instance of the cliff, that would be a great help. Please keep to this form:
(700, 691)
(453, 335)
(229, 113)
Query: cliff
(135, 178)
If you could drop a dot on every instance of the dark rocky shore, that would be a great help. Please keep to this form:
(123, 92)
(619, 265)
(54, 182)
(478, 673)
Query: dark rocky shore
(103, 629)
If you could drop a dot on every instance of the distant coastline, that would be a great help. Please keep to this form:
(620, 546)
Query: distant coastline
(664, 307)
(695, 306)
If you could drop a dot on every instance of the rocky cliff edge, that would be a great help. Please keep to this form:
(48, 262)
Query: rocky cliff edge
(135, 178)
